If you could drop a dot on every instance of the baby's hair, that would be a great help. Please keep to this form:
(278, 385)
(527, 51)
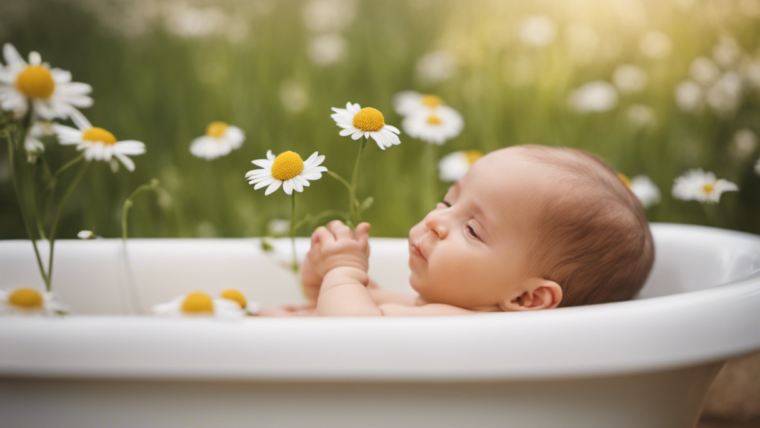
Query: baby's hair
(594, 239)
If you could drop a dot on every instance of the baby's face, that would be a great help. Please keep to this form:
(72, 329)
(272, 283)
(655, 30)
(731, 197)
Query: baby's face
(473, 245)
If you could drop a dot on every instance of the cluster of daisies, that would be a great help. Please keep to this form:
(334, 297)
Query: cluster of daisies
(52, 95)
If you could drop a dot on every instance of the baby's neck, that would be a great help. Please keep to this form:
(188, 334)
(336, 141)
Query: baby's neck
(420, 301)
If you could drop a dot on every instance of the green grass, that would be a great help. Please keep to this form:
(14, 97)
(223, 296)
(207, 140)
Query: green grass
(163, 89)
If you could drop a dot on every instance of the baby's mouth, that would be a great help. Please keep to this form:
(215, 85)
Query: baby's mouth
(415, 249)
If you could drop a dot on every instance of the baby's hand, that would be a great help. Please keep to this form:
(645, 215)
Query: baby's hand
(334, 247)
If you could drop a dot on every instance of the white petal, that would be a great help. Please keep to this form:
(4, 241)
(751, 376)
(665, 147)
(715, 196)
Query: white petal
(287, 186)
(264, 182)
(263, 163)
(272, 187)
(129, 147)
(126, 161)
(357, 135)
(296, 184)
(392, 129)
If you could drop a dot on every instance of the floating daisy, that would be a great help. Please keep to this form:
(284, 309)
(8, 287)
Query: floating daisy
(236, 296)
(220, 140)
(365, 122)
(287, 170)
(454, 165)
(437, 126)
(702, 186)
(200, 304)
(50, 91)
(98, 143)
(28, 301)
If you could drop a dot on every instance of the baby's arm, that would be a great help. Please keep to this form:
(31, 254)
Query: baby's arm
(345, 262)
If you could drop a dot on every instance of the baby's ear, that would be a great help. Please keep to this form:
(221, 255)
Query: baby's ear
(538, 293)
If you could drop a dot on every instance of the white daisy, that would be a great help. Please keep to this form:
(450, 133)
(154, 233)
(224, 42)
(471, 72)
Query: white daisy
(32, 144)
(200, 304)
(98, 143)
(220, 140)
(365, 122)
(645, 189)
(86, 234)
(28, 301)
(453, 166)
(51, 91)
(236, 296)
(702, 186)
(287, 170)
(436, 126)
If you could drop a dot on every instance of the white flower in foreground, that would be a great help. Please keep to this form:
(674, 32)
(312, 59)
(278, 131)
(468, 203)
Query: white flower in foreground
(50, 91)
(98, 143)
(538, 30)
(702, 186)
(287, 170)
(200, 304)
(645, 189)
(28, 301)
(436, 67)
(689, 96)
(86, 234)
(454, 165)
(704, 70)
(365, 122)
(597, 96)
(630, 78)
(238, 297)
(655, 44)
(436, 126)
(220, 140)
(327, 49)
(32, 144)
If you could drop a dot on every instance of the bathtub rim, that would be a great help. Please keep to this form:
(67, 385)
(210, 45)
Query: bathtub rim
(54, 348)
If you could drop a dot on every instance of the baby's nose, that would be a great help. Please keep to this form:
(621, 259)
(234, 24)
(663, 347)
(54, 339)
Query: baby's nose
(436, 223)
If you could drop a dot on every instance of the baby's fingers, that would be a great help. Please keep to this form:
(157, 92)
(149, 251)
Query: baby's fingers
(322, 236)
(340, 230)
(362, 235)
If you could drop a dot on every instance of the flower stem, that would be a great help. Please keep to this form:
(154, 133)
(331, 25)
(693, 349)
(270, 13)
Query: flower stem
(431, 191)
(57, 218)
(24, 217)
(712, 214)
(293, 231)
(353, 209)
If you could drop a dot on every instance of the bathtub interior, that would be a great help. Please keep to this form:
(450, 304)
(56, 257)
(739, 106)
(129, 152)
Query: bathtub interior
(91, 278)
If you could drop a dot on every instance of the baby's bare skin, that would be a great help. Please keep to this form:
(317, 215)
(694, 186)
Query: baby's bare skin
(466, 256)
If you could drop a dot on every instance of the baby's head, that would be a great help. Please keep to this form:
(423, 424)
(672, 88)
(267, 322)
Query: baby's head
(533, 227)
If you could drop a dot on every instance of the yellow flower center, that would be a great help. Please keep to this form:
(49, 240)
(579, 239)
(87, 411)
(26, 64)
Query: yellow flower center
(25, 298)
(433, 120)
(625, 179)
(36, 82)
(96, 134)
(235, 295)
(287, 165)
(198, 303)
(473, 155)
(431, 101)
(708, 188)
(216, 129)
(369, 120)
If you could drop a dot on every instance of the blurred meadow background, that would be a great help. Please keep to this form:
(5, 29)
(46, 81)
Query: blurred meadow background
(674, 85)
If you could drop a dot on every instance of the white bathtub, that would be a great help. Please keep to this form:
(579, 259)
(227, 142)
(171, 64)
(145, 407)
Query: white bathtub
(646, 363)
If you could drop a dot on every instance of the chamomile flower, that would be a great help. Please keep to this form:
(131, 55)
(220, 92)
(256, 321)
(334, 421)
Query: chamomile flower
(86, 234)
(200, 304)
(365, 122)
(220, 140)
(236, 296)
(98, 143)
(645, 190)
(453, 166)
(702, 186)
(50, 91)
(28, 301)
(409, 102)
(32, 144)
(436, 126)
(287, 170)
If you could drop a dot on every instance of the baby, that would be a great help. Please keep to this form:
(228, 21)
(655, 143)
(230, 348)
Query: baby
(526, 228)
